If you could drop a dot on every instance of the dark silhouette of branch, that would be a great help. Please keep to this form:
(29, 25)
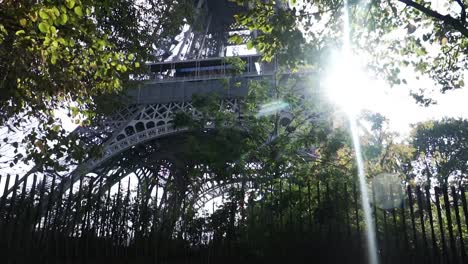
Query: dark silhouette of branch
(447, 19)
(462, 12)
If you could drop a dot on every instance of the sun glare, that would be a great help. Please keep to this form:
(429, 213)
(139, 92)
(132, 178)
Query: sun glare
(348, 86)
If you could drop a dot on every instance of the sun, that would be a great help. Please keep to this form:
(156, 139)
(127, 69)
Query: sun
(348, 85)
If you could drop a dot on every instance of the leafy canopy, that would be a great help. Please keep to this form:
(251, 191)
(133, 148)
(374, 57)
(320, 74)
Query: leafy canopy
(395, 36)
(70, 54)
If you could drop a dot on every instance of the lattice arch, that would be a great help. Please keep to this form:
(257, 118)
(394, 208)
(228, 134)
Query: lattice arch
(144, 123)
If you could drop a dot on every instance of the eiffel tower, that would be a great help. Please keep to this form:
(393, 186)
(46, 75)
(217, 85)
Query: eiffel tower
(141, 138)
(195, 64)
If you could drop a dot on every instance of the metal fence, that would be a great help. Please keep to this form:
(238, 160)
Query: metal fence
(280, 221)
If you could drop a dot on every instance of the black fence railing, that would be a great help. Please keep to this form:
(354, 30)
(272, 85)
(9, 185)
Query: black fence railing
(279, 221)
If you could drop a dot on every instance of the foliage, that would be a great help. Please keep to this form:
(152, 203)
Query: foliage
(383, 151)
(441, 149)
(68, 54)
(407, 36)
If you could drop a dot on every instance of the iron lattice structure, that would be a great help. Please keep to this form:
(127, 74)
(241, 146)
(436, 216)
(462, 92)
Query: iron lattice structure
(144, 127)
(137, 124)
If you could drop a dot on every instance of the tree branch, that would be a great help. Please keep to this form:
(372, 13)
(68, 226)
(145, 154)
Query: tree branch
(462, 12)
(447, 19)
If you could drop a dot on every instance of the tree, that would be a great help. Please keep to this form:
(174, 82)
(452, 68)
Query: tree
(407, 36)
(442, 149)
(70, 54)
(383, 151)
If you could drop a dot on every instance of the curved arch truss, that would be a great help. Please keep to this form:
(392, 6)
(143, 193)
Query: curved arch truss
(136, 124)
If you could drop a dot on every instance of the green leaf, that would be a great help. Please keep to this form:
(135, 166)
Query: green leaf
(43, 27)
(56, 11)
(63, 19)
(62, 41)
(116, 83)
(53, 60)
(236, 39)
(19, 32)
(70, 3)
(23, 22)
(53, 29)
(137, 64)
(78, 11)
(33, 16)
(43, 15)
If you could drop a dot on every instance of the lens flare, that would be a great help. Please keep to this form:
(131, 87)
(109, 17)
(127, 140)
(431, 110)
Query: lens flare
(271, 108)
(387, 191)
(351, 80)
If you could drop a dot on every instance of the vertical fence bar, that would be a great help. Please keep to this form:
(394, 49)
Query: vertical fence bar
(464, 204)
(448, 216)
(328, 207)
(75, 229)
(12, 205)
(376, 221)
(47, 214)
(20, 218)
(3, 212)
(67, 228)
(396, 235)
(136, 220)
(125, 218)
(11, 211)
(421, 219)
(465, 208)
(300, 210)
(441, 225)
(85, 231)
(46, 230)
(5, 193)
(103, 229)
(309, 205)
(104, 224)
(38, 218)
(280, 204)
(413, 223)
(403, 227)
(155, 231)
(459, 226)
(290, 198)
(26, 242)
(56, 222)
(115, 218)
(386, 236)
(434, 252)
(96, 242)
(97, 211)
(346, 206)
(358, 227)
(319, 204)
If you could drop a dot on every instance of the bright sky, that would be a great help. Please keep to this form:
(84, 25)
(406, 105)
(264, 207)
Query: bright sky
(396, 104)
(350, 87)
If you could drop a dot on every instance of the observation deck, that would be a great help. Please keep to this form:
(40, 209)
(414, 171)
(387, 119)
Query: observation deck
(177, 81)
